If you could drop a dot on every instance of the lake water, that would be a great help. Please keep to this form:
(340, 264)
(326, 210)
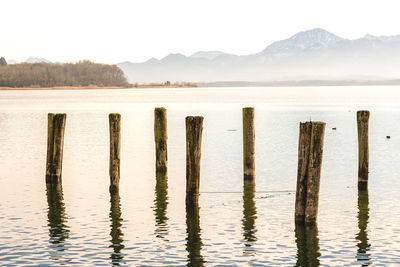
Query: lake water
(236, 225)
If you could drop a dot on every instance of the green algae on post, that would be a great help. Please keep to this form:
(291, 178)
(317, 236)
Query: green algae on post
(115, 148)
(55, 144)
(160, 138)
(248, 144)
(363, 150)
(194, 129)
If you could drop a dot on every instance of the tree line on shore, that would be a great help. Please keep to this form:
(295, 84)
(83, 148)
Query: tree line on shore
(81, 74)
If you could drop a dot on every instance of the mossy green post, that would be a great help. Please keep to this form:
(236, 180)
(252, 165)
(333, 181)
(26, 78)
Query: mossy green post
(160, 138)
(248, 144)
(311, 143)
(363, 150)
(55, 144)
(115, 148)
(194, 129)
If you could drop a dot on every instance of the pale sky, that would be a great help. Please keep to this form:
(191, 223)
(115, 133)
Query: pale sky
(136, 30)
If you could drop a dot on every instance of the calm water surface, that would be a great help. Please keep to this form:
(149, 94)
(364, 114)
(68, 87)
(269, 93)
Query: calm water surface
(236, 224)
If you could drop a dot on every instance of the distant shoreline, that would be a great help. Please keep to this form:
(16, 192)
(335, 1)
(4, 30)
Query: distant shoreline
(301, 83)
(91, 87)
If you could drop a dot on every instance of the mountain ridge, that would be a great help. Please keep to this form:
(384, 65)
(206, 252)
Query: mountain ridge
(315, 54)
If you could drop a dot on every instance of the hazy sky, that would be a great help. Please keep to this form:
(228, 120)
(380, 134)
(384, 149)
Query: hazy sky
(135, 30)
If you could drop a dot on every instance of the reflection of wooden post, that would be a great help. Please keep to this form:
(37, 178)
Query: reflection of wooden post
(57, 219)
(160, 206)
(363, 152)
(194, 129)
(194, 243)
(116, 232)
(248, 144)
(307, 245)
(249, 217)
(55, 144)
(362, 236)
(160, 138)
(311, 143)
(115, 147)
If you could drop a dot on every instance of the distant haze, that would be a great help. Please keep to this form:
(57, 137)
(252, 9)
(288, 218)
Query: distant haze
(136, 30)
(310, 55)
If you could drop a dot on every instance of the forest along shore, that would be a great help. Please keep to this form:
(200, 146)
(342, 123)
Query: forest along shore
(81, 75)
(96, 87)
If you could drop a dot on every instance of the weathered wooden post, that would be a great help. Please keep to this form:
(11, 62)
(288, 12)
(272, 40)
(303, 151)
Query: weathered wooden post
(194, 129)
(160, 138)
(302, 168)
(363, 151)
(55, 144)
(314, 171)
(248, 144)
(311, 143)
(115, 148)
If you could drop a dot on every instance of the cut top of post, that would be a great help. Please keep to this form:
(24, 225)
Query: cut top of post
(194, 120)
(363, 115)
(194, 129)
(160, 109)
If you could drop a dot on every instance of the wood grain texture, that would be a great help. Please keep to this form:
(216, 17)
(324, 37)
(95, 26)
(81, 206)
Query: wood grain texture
(194, 129)
(115, 148)
(249, 172)
(55, 145)
(160, 138)
(310, 150)
(363, 149)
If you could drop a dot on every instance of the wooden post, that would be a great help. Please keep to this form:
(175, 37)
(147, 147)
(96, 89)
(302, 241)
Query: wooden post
(311, 143)
(363, 151)
(302, 167)
(314, 171)
(194, 129)
(115, 148)
(55, 144)
(248, 144)
(160, 138)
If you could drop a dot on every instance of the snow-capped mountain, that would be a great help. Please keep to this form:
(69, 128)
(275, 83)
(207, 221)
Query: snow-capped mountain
(210, 55)
(310, 55)
(36, 60)
(303, 40)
